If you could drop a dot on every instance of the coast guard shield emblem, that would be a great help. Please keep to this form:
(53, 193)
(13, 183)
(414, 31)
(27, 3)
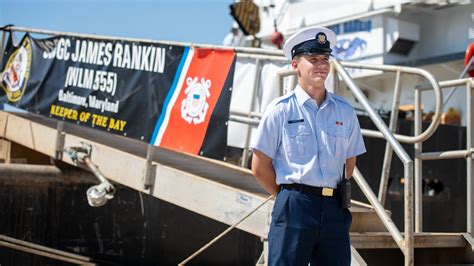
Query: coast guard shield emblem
(194, 107)
(14, 77)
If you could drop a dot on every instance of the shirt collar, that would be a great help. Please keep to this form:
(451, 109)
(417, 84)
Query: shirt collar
(302, 96)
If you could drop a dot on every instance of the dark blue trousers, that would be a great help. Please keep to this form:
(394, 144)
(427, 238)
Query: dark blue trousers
(307, 228)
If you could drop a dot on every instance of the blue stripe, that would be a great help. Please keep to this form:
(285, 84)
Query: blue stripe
(159, 123)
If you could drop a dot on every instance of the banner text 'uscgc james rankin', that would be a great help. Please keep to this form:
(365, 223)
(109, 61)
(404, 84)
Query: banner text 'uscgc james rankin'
(101, 53)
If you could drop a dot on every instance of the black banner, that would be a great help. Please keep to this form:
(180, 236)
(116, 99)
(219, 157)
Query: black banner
(146, 91)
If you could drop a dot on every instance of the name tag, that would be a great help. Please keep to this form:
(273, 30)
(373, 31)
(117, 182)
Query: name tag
(295, 121)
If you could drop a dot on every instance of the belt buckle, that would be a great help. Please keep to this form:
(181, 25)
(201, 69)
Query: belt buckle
(328, 192)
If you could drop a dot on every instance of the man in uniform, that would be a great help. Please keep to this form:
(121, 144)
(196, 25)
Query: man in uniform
(305, 142)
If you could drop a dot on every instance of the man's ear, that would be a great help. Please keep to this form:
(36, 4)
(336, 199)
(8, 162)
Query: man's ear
(294, 64)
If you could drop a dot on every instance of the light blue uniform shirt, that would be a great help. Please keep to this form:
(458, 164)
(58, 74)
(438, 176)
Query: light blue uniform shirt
(309, 144)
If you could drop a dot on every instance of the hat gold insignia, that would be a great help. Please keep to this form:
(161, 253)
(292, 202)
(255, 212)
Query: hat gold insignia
(321, 38)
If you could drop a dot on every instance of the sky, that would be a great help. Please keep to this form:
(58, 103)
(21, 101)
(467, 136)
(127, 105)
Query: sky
(197, 21)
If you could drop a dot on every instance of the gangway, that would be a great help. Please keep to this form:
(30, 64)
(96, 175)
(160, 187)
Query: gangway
(224, 192)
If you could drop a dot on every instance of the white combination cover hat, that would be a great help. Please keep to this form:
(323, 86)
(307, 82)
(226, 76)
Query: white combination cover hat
(315, 40)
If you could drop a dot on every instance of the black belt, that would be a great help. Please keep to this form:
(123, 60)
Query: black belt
(318, 191)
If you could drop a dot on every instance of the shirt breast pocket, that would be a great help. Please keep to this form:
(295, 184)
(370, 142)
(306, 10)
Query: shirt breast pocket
(298, 140)
(338, 140)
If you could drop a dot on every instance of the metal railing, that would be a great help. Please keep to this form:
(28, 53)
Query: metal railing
(467, 153)
(253, 118)
(404, 243)
(409, 70)
(248, 50)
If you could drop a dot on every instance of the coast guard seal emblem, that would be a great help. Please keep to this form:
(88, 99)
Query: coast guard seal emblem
(194, 107)
(14, 77)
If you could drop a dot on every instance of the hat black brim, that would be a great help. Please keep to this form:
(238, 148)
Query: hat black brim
(313, 51)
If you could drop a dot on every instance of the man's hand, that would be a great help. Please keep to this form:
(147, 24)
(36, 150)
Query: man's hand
(262, 169)
(350, 165)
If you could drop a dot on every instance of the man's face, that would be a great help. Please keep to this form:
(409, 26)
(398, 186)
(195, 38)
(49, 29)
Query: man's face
(311, 68)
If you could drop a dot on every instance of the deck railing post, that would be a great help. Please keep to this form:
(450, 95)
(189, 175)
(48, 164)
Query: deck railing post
(469, 159)
(418, 165)
(387, 159)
